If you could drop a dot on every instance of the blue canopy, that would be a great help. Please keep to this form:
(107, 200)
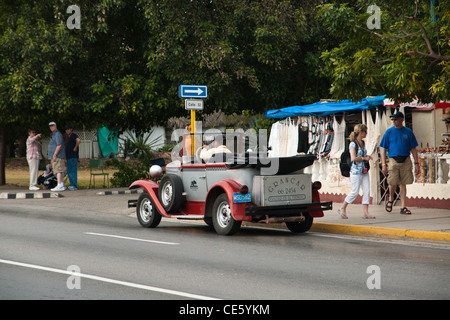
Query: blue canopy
(321, 109)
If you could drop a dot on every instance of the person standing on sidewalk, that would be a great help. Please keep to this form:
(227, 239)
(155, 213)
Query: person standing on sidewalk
(72, 155)
(56, 154)
(399, 142)
(359, 172)
(33, 157)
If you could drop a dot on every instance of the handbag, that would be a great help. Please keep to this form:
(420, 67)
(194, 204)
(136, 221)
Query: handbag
(366, 167)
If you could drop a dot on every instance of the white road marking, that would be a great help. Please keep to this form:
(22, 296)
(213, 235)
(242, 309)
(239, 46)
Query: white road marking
(128, 238)
(113, 281)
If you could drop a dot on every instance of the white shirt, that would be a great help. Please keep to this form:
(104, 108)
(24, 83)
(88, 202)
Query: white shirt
(206, 154)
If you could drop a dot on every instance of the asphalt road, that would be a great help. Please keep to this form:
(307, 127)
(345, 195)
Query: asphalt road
(57, 252)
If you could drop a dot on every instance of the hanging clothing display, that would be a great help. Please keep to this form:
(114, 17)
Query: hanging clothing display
(328, 137)
(274, 140)
(283, 140)
(292, 138)
(323, 137)
(371, 138)
(338, 145)
(302, 146)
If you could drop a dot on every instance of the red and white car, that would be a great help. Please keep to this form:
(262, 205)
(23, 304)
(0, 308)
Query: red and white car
(226, 193)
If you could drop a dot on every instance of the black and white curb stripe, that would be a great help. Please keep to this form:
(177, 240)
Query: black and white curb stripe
(29, 195)
(108, 193)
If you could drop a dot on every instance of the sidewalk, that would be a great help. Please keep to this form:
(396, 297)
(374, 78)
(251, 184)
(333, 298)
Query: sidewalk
(422, 225)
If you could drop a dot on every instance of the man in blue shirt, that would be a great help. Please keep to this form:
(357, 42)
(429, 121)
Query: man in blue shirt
(57, 154)
(399, 142)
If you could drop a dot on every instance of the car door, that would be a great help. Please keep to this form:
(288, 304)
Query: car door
(194, 182)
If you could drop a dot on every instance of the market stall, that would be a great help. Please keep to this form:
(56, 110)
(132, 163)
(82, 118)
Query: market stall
(322, 129)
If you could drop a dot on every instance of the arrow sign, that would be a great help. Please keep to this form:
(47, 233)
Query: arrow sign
(192, 91)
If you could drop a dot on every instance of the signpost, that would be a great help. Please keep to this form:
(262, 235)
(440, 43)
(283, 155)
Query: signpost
(191, 104)
(193, 91)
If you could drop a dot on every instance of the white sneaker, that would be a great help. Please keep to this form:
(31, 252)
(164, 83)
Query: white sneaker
(34, 188)
(58, 189)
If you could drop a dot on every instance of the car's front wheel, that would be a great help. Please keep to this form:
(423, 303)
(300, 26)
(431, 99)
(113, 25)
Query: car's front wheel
(147, 214)
(222, 219)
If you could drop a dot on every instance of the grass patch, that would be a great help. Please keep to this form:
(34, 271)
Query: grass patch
(18, 174)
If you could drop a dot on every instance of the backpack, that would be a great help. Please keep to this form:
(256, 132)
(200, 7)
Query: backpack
(346, 161)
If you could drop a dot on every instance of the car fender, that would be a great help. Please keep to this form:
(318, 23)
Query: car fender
(316, 198)
(229, 186)
(151, 187)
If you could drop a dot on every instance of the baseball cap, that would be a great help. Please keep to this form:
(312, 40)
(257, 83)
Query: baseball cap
(52, 124)
(397, 115)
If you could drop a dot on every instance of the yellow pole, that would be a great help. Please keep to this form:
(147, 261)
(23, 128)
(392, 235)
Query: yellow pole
(192, 131)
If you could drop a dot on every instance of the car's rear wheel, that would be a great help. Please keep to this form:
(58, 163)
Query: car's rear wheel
(147, 214)
(301, 227)
(170, 193)
(222, 218)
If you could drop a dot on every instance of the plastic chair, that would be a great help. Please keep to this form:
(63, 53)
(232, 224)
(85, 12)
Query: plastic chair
(95, 165)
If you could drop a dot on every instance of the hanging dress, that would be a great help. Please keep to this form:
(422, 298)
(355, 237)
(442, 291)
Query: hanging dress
(338, 146)
(274, 140)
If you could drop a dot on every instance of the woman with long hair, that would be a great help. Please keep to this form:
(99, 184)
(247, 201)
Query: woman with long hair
(359, 175)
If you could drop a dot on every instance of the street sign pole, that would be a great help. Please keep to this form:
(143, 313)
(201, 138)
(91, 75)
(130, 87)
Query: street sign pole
(192, 131)
(193, 91)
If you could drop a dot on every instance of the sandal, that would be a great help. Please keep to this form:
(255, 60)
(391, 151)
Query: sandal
(368, 217)
(388, 206)
(342, 214)
(405, 210)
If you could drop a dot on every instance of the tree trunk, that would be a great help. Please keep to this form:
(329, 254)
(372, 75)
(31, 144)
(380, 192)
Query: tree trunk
(2, 156)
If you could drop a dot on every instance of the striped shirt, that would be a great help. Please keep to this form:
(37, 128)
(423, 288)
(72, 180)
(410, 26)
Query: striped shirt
(33, 149)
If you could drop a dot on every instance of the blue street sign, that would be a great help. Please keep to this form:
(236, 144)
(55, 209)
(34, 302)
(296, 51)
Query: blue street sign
(192, 91)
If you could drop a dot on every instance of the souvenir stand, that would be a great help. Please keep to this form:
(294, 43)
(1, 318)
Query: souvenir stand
(431, 187)
(322, 129)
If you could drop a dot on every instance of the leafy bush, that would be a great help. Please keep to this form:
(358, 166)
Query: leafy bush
(129, 171)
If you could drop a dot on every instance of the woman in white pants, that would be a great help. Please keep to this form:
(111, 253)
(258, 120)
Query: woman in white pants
(359, 176)
(33, 157)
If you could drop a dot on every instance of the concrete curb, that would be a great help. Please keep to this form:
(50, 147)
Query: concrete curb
(381, 232)
(30, 195)
(108, 193)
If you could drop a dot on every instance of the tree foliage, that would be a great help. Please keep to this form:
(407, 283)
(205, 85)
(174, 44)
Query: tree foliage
(123, 67)
(408, 57)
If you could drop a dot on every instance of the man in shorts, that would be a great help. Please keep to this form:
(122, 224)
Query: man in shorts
(399, 142)
(57, 154)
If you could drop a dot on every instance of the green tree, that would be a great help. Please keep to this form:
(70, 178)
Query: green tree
(408, 56)
(123, 67)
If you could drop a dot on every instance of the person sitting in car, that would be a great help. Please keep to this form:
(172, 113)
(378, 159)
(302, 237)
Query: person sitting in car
(217, 148)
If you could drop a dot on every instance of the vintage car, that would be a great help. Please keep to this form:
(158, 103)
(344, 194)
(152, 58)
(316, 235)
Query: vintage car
(231, 189)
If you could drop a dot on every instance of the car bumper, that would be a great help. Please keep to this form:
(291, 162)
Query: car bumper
(288, 210)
